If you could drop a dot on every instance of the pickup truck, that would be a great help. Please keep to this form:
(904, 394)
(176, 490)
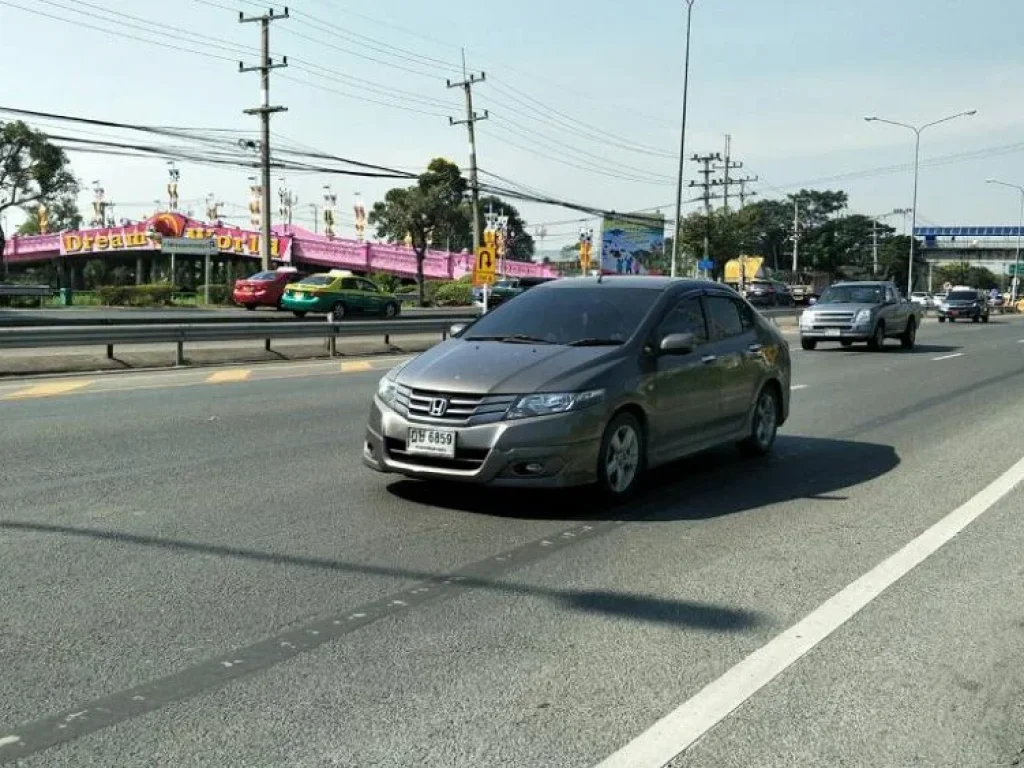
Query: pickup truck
(860, 312)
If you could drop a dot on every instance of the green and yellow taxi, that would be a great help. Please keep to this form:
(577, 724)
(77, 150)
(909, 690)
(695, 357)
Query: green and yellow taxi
(341, 292)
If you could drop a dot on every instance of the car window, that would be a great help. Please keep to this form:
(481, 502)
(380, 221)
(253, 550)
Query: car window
(723, 317)
(317, 280)
(366, 285)
(585, 315)
(685, 317)
(349, 284)
(747, 318)
(890, 293)
(852, 294)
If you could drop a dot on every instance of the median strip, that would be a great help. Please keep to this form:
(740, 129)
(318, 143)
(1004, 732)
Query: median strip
(355, 366)
(227, 377)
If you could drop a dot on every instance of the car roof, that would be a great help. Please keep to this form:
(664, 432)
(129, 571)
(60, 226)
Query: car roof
(611, 282)
(341, 273)
(861, 282)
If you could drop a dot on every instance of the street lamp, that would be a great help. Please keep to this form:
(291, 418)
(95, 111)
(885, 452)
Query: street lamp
(1020, 224)
(682, 139)
(917, 129)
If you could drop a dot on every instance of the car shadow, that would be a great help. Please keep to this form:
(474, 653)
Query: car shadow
(891, 347)
(711, 484)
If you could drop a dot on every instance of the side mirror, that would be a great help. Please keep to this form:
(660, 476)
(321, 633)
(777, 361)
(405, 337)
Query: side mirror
(456, 329)
(812, 301)
(677, 344)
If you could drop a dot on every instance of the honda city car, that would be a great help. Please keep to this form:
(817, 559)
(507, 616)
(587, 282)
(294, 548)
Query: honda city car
(582, 381)
(339, 292)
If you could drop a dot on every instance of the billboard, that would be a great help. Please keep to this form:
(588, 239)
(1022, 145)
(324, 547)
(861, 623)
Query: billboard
(633, 244)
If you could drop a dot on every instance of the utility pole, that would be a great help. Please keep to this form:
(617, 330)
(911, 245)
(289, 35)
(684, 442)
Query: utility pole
(796, 234)
(467, 83)
(874, 246)
(706, 171)
(743, 189)
(264, 111)
(727, 166)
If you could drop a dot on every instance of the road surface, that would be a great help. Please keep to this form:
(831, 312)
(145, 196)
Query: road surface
(198, 571)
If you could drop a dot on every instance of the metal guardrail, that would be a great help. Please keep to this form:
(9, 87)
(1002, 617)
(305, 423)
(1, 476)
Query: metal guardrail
(42, 292)
(184, 333)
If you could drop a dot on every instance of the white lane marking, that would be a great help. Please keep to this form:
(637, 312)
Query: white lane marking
(6, 740)
(682, 727)
(1021, 341)
(948, 357)
(795, 387)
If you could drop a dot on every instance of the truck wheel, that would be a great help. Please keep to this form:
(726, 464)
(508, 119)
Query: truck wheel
(877, 340)
(942, 319)
(909, 337)
(809, 345)
(984, 318)
(846, 343)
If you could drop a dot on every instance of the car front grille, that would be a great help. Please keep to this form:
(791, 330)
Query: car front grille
(459, 408)
(833, 319)
(466, 459)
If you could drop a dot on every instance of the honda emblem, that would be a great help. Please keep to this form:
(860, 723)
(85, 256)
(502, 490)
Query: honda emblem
(438, 406)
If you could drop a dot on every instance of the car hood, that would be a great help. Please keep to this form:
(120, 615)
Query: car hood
(494, 367)
(848, 307)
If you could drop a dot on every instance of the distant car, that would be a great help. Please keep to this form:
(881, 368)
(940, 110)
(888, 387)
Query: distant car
(583, 381)
(341, 293)
(769, 293)
(264, 289)
(503, 290)
(964, 304)
(922, 299)
(861, 311)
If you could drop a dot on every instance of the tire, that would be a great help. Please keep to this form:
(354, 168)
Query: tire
(808, 345)
(976, 319)
(846, 343)
(909, 337)
(250, 307)
(942, 319)
(952, 319)
(620, 463)
(764, 425)
(877, 340)
(299, 313)
(338, 310)
(391, 310)
(984, 318)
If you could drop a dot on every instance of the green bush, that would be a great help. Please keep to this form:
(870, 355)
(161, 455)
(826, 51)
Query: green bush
(386, 281)
(219, 294)
(135, 295)
(455, 294)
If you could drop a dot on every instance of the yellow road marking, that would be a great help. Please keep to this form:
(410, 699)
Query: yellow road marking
(49, 389)
(356, 365)
(226, 377)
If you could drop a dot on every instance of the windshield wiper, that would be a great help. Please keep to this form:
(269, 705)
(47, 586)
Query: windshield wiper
(515, 338)
(596, 343)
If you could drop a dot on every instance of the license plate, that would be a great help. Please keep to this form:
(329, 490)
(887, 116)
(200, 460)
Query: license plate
(953, 312)
(833, 332)
(432, 442)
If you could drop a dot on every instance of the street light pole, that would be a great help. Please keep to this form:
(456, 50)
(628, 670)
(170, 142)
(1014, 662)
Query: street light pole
(1020, 225)
(918, 130)
(682, 140)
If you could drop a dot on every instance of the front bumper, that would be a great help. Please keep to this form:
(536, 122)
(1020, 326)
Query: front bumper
(957, 312)
(854, 333)
(561, 451)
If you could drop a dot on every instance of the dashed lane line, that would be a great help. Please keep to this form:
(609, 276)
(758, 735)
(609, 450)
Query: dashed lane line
(48, 389)
(229, 376)
(797, 387)
(948, 357)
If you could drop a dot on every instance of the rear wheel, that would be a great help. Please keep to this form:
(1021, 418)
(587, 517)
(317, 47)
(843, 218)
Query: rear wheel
(338, 311)
(984, 318)
(621, 460)
(942, 319)
(909, 337)
(299, 313)
(808, 345)
(390, 310)
(764, 426)
(877, 340)
(250, 307)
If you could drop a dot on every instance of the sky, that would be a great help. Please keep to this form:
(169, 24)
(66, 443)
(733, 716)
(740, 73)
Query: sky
(584, 97)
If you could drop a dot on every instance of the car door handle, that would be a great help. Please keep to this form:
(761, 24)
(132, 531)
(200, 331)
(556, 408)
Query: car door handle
(754, 350)
(708, 359)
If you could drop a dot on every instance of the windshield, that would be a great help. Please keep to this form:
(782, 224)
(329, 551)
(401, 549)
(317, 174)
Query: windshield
(853, 294)
(317, 280)
(963, 296)
(591, 314)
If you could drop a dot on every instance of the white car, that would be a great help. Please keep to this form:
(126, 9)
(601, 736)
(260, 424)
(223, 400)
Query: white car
(922, 299)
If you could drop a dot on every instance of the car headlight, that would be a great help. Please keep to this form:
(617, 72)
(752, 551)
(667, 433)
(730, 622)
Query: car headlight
(806, 320)
(388, 386)
(550, 403)
(862, 317)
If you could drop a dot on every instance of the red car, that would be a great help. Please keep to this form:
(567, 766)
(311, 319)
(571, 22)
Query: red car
(264, 289)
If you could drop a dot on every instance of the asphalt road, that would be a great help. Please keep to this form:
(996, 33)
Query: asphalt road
(198, 571)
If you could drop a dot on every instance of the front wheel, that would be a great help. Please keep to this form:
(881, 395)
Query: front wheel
(338, 311)
(909, 337)
(984, 318)
(808, 345)
(877, 340)
(390, 310)
(621, 460)
(942, 319)
(250, 307)
(764, 426)
(299, 313)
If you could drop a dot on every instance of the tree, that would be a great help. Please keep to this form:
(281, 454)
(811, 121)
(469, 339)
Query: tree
(966, 274)
(429, 210)
(767, 229)
(62, 215)
(892, 260)
(32, 170)
(725, 237)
